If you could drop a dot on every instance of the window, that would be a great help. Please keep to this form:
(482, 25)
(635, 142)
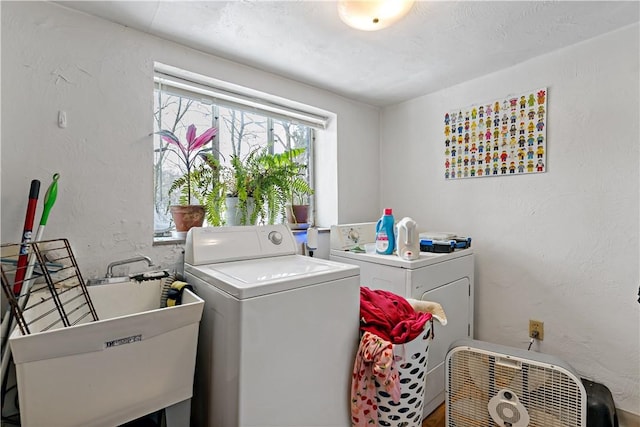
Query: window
(246, 125)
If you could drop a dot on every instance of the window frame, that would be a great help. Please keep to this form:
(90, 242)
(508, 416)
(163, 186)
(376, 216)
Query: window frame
(248, 103)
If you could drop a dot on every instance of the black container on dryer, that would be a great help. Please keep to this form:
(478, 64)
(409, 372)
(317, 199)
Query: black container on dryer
(385, 233)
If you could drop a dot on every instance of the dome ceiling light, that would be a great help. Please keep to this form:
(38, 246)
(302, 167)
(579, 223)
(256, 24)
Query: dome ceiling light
(372, 15)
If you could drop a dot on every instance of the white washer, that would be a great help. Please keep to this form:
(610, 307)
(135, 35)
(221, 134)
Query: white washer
(447, 279)
(279, 332)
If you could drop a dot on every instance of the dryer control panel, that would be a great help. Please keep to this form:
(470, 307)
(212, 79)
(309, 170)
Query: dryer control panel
(349, 236)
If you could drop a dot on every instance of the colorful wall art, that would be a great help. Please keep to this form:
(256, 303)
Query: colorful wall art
(500, 138)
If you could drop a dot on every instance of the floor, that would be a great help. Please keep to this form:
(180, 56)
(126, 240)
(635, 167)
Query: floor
(436, 419)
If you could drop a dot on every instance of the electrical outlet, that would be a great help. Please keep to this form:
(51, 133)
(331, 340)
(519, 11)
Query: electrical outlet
(536, 329)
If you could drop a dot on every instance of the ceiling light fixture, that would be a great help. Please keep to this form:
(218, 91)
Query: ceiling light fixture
(372, 15)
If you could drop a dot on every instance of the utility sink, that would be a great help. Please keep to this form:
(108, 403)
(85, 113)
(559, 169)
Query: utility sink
(136, 359)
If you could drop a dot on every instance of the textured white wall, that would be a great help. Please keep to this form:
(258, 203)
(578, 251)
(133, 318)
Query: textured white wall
(101, 74)
(561, 247)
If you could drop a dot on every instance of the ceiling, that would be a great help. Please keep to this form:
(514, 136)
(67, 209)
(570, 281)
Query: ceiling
(437, 45)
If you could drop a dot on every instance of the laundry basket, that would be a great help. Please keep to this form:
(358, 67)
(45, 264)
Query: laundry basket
(411, 361)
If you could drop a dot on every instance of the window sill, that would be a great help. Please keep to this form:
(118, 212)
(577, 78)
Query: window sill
(165, 241)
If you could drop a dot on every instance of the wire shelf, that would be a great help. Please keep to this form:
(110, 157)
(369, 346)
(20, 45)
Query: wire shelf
(44, 287)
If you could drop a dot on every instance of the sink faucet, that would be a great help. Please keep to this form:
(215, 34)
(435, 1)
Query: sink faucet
(127, 261)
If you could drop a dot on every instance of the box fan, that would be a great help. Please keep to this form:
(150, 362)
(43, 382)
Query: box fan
(493, 385)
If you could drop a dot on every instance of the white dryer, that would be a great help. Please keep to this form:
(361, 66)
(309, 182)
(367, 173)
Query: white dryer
(279, 332)
(447, 279)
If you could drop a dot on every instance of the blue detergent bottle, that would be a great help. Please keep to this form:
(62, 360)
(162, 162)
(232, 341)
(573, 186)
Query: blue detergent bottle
(385, 237)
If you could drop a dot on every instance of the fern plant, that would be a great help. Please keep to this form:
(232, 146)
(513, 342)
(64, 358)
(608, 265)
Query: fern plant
(242, 178)
(288, 179)
(272, 180)
(299, 189)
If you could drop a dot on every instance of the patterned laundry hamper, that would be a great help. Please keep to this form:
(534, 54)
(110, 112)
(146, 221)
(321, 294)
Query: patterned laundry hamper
(411, 360)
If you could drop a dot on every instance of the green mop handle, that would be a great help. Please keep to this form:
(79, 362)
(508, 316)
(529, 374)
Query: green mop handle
(50, 199)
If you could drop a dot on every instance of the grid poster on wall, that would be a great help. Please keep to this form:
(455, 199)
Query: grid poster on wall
(507, 136)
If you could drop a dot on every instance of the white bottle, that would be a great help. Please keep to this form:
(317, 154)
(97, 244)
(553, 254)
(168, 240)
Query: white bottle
(408, 243)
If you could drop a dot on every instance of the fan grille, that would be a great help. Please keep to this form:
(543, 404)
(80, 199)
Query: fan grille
(551, 396)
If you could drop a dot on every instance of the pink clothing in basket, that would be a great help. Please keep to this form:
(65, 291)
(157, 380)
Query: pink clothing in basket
(374, 362)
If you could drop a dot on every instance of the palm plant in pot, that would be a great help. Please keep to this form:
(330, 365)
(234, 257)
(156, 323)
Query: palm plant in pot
(191, 155)
(208, 188)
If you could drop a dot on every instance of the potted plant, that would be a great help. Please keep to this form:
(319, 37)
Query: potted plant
(298, 210)
(291, 186)
(208, 188)
(185, 214)
(241, 182)
(261, 185)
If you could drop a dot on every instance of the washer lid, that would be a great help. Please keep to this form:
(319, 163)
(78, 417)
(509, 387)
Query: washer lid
(263, 276)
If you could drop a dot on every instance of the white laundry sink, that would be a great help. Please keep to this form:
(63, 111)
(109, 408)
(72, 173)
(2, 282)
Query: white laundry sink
(137, 359)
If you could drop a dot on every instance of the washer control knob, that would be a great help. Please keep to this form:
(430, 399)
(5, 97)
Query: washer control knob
(275, 237)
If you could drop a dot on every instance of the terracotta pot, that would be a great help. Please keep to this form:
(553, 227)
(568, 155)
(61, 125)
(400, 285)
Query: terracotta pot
(187, 216)
(297, 214)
